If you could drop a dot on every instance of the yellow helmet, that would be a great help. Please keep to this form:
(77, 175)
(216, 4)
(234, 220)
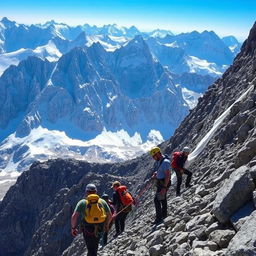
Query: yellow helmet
(154, 150)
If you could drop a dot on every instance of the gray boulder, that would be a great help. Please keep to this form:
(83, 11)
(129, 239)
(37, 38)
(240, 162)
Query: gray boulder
(222, 237)
(182, 250)
(210, 245)
(244, 242)
(235, 192)
(157, 250)
(240, 216)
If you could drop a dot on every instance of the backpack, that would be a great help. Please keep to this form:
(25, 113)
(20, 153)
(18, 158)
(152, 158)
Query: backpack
(177, 160)
(125, 196)
(94, 212)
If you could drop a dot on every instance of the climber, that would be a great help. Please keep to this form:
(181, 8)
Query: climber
(178, 161)
(111, 206)
(95, 217)
(162, 174)
(122, 201)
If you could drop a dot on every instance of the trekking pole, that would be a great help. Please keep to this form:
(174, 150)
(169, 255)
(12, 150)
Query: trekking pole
(114, 215)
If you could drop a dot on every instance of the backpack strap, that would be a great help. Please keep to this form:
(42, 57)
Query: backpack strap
(164, 157)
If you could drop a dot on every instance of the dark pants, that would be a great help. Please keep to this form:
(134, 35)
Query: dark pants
(160, 205)
(120, 222)
(179, 179)
(105, 235)
(92, 241)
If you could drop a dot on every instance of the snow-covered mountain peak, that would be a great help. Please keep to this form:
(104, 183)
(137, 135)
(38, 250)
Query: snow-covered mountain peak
(51, 23)
(230, 40)
(161, 33)
(113, 29)
(8, 23)
(137, 43)
(210, 35)
(232, 43)
(133, 30)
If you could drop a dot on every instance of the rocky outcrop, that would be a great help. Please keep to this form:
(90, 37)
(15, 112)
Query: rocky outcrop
(236, 191)
(41, 203)
(243, 242)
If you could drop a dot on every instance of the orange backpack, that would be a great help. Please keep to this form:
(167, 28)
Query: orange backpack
(125, 196)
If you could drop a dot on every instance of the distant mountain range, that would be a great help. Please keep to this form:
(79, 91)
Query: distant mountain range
(99, 93)
(188, 52)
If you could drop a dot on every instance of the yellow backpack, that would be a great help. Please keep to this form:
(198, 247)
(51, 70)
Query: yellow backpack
(94, 211)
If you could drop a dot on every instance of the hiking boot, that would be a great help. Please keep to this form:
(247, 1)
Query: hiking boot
(116, 234)
(178, 194)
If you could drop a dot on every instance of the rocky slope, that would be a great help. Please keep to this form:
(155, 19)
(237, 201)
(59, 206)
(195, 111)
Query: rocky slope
(214, 217)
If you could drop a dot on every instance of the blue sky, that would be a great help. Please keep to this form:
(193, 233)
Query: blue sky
(225, 17)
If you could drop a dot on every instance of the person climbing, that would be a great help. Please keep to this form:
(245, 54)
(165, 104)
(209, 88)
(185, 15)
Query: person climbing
(178, 161)
(122, 201)
(95, 217)
(162, 174)
(112, 209)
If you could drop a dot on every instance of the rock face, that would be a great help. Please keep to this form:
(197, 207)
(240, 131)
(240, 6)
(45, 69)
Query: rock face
(244, 241)
(44, 205)
(236, 191)
(34, 215)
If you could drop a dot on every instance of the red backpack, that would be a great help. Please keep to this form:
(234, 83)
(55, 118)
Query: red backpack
(176, 160)
(125, 196)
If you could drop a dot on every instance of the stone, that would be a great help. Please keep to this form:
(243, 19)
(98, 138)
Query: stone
(253, 170)
(210, 245)
(240, 216)
(237, 225)
(202, 252)
(200, 232)
(201, 191)
(157, 250)
(191, 237)
(242, 133)
(181, 250)
(236, 191)
(226, 174)
(130, 253)
(179, 227)
(155, 238)
(197, 220)
(172, 247)
(243, 243)
(222, 237)
(246, 153)
(168, 222)
(142, 250)
(193, 210)
(212, 227)
(180, 238)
